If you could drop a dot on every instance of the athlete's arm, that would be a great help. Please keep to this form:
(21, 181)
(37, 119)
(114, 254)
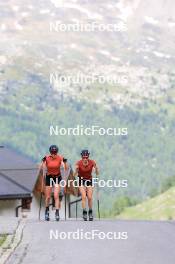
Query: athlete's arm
(76, 170)
(62, 163)
(96, 169)
(62, 167)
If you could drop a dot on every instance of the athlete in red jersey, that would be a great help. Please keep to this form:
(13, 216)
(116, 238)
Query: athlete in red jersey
(52, 164)
(84, 168)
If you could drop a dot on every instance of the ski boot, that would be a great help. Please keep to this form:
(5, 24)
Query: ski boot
(90, 215)
(47, 214)
(84, 214)
(57, 217)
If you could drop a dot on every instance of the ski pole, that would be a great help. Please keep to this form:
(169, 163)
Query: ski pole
(65, 206)
(41, 195)
(98, 203)
(40, 206)
(98, 200)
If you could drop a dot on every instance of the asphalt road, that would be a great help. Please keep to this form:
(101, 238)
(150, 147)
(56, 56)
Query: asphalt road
(143, 243)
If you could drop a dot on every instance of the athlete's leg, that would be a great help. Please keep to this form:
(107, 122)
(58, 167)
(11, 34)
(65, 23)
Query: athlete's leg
(56, 196)
(48, 191)
(90, 196)
(82, 190)
(57, 201)
(90, 200)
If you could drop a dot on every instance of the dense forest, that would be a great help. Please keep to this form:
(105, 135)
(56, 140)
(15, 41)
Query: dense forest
(144, 157)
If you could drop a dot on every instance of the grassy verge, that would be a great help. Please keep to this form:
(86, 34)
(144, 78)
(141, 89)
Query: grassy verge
(161, 207)
(2, 239)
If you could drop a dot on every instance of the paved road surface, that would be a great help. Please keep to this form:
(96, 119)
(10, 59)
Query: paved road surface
(147, 243)
(8, 225)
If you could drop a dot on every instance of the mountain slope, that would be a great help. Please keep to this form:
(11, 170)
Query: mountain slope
(161, 207)
(143, 54)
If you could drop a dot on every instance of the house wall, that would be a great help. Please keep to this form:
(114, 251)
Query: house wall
(7, 208)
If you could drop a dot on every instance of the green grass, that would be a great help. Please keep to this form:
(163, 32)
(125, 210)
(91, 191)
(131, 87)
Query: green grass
(161, 207)
(2, 239)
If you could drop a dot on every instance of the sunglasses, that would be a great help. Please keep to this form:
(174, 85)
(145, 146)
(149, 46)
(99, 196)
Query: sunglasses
(85, 157)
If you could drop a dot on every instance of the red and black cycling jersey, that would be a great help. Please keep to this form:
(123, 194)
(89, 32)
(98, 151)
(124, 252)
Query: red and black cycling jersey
(85, 171)
(53, 164)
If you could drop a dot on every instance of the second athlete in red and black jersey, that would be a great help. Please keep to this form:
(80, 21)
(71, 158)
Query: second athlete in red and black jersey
(84, 169)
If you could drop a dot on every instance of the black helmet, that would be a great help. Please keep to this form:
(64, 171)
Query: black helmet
(85, 152)
(53, 149)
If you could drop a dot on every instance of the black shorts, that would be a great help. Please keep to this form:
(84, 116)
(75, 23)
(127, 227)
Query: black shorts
(51, 180)
(85, 182)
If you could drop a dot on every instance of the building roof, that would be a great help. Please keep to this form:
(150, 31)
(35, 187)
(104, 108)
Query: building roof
(18, 175)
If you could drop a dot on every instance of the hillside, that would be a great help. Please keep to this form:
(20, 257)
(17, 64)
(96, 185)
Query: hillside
(141, 54)
(161, 207)
(30, 103)
(143, 157)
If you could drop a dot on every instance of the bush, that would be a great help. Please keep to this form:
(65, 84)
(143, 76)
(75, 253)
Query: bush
(168, 183)
(121, 203)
